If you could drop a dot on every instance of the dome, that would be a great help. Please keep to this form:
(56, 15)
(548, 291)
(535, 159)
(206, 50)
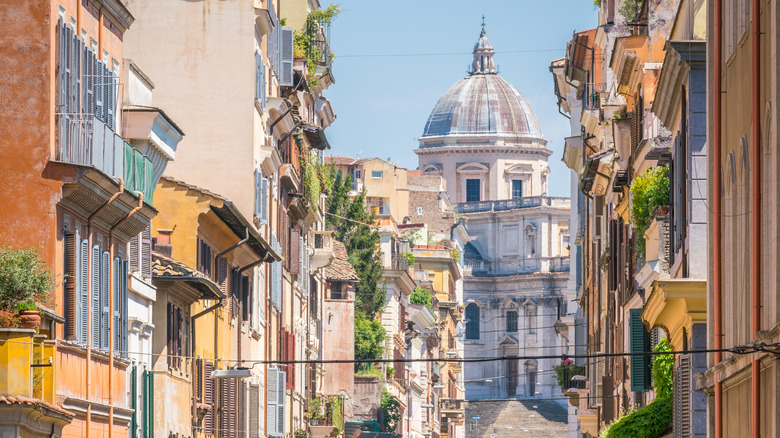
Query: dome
(483, 104)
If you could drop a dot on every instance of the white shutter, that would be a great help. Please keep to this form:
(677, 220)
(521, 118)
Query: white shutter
(258, 194)
(95, 297)
(286, 53)
(134, 248)
(111, 92)
(259, 84)
(78, 47)
(82, 301)
(271, 403)
(145, 253)
(123, 316)
(281, 382)
(105, 303)
(99, 80)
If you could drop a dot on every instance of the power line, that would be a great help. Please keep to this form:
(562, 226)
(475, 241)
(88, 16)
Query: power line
(398, 55)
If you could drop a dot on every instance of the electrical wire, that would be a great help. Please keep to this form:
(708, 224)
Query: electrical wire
(398, 55)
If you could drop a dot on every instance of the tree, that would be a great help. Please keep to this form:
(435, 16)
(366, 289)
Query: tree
(349, 219)
(369, 339)
(421, 295)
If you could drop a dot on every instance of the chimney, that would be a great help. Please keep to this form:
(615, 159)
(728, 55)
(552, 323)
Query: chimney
(163, 245)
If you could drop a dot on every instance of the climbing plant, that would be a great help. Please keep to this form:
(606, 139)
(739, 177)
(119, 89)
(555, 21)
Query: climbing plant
(648, 192)
(306, 44)
(663, 366)
(391, 411)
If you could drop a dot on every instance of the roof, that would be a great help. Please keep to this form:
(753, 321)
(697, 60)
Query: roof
(235, 221)
(167, 269)
(339, 160)
(340, 268)
(38, 404)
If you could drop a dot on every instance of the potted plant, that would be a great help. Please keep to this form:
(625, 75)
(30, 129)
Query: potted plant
(29, 316)
(300, 432)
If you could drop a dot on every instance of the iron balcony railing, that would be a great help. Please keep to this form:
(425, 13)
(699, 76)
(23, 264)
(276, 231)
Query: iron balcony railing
(511, 204)
(478, 268)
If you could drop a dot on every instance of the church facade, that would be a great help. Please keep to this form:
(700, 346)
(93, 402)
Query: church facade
(484, 139)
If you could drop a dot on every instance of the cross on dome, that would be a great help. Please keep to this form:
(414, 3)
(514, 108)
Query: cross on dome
(483, 55)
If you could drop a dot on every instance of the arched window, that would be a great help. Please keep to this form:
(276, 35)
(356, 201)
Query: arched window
(472, 321)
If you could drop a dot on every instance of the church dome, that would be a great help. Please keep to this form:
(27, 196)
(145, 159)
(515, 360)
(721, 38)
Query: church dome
(483, 104)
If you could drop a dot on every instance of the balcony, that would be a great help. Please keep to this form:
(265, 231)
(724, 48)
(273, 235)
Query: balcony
(323, 253)
(453, 406)
(27, 381)
(88, 141)
(512, 204)
(484, 268)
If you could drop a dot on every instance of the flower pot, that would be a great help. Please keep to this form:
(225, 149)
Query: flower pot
(29, 319)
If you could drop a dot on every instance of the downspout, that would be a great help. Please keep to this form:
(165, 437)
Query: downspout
(111, 306)
(756, 218)
(192, 355)
(279, 119)
(241, 242)
(716, 208)
(89, 314)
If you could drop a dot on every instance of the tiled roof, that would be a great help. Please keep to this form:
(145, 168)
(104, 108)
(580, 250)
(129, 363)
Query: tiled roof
(339, 160)
(192, 187)
(340, 269)
(165, 268)
(12, 400)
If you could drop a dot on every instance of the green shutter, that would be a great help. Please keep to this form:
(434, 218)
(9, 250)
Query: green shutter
(148, 404)
(134, 400)
(640, 342)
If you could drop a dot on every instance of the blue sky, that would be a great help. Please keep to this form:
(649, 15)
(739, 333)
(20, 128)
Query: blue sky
(382, 102)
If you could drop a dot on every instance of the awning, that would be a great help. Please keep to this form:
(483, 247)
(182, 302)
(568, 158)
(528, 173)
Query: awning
(315, 136)
(239, 225)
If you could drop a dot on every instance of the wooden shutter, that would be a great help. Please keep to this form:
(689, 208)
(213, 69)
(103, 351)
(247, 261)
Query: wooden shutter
(281, 404)
(222, 274)
(607, 400)
(134, 401)
(169, 333)
(124, 313)
(199, 379)
(111, 95)
(295, 251)
(208, 399)
(105, 299)
(148, 405)
(70, 284)
(272, 402)
(117, 266)
(82, 305)
(682, 397)
(286, 54)
(246, 294)
(233, 398)
(258, 194)
(95, 297)
(640, 342)
(146, 252)
(290, 356)
(254, 411)
(224, 424)
(100, 88)
(134, 250)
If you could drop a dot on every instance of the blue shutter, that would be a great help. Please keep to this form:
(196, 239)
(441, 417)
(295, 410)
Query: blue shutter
(264, 197)
(95, 297)
(640, 342)
(117, 304)
(258, 194)
(105, 299)
(286, 58)
(82, 299)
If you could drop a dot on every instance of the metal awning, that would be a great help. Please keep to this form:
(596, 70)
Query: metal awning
(239, 225)
(315, 136)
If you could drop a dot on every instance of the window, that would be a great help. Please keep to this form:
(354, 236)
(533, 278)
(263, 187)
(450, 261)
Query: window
(336, 288)
(275, 402)
(472, 190)
(176, 334)
(511, 321)
(530, 317)
(419, 211)
(76, 287)
(376, 174)
(517, 189)
(472, 321)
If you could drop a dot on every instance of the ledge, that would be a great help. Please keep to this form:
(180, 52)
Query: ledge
(676, 304)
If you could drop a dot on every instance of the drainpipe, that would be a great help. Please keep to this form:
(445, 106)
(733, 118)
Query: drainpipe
(716, 208)
(111, 306)
(756, 218)
(279, 119)
(192, 354)
(89, 314)
(241, 242)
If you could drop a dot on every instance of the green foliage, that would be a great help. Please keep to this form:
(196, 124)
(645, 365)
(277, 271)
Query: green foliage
(369, 339)
(409, 258)
(311, 183)
(422, 296)
(455, 254)
(663, 366)
(315, 411)
(630, 9)
(8, 319)
(564, 371)
(26, 305)
(648, 191)
(337, 414)
(349, 219)
(24, 277)
(305, 40)
(391, 411)
(370, 371)
(320, 409)
(648, 422)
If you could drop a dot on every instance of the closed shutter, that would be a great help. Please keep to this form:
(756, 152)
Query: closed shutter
(243, 430)
(199, 379)
(124, 316)
(78, 49)
(208, 399)
(148, 405)
(169, 333)
(105, 299)
(134, 401)
(224, 425)
(259, 200)
(134, 253)
(70, 285)
(264, 197)
(117, 304)
(286, 54)
(272, 402)
(682, 398)
(95, 297)
(640, 342)
(110, 103)
(276, 275)
(82, 305)
(295, 251)
(281, 403)
(146, 252)
(222, 274)
(608, 399)
(100, 88)
(233, 398)
(254, 411)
